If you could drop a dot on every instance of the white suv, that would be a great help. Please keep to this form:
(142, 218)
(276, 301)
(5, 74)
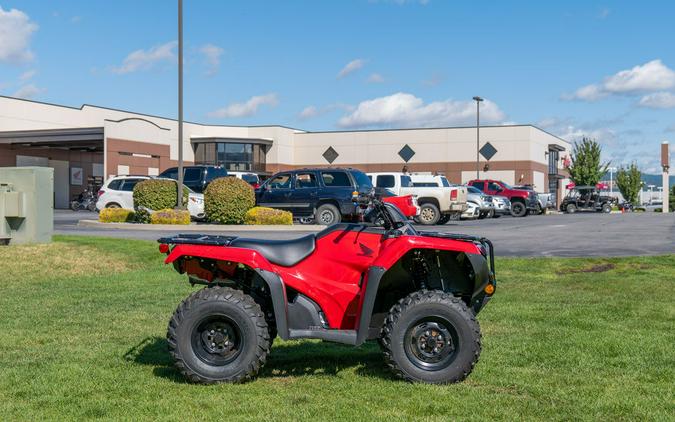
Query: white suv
(118, 192)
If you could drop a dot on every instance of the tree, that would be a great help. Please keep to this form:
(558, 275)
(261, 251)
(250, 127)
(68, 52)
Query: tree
(629, 181)
(586, 168)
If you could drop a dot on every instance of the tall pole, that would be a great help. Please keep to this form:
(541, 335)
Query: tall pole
(665, 165)
(179, 193)
(478, 101)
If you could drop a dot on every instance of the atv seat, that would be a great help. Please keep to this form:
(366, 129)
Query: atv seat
(281, 252)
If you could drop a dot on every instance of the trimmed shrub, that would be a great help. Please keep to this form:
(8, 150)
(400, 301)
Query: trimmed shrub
(142, 215)
(157, 194)
(170, 216)
(264, 215)
(116, 215)
(227, 199)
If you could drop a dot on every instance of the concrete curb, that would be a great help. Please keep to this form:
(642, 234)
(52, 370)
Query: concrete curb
(201, 227)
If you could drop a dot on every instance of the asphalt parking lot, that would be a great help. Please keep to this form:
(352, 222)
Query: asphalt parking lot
(581, 234)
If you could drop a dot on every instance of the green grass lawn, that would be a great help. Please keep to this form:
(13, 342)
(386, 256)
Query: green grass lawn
(83, 320)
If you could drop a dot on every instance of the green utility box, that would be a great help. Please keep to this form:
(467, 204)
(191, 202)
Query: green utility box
(26, 205)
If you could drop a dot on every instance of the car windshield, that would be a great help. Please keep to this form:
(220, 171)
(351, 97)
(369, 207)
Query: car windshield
(472, 189)
(362, 181)
(506, 185)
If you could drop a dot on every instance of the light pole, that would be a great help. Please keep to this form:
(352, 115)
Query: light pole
(611, 180)
(179, 193)
(651, 190)
(478, 100)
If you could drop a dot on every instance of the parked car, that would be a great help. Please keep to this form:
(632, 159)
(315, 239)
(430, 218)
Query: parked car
(326, 194)
(196, 177)
(118, 192)
(522, 201)
(471, 213)
(587, 198)
(545, 200)
(250, 178)
(502, 206)
(438, 200)
(484, 202)
(407, 204)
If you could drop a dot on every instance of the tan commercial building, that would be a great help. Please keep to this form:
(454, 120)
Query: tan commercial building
(90, 143)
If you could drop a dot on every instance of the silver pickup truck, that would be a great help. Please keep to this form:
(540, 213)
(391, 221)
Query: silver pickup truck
(439, 201)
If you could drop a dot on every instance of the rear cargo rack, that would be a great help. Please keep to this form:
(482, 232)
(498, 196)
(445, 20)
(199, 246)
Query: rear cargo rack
(197, 239)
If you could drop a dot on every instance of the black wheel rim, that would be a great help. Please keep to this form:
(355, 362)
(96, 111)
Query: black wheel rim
(517, 208)
(216, 340)
(326, 217)
(431, 344)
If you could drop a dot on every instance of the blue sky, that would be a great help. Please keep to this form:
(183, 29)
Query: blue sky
(574, 68)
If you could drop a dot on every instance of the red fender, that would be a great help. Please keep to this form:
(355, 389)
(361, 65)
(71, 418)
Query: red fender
(395, 248)
(244, 256)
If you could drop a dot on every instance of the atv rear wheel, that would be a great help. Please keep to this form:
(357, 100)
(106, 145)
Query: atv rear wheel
(218, 334)
(432, 337)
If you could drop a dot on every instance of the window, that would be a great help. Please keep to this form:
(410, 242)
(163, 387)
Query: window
(335, 179)
(362, 181)
(281, 181)
(305, 180)
(406, 182)
(473, 189)
(250, 178)
(425, 184)
(233, 156)
(128, 184)
(494, 186)
(386, 181)
(478, 185)
(115, 184)
(192, 174)
(552, 162)
(214, 173)
(445, 182)
(170, 174)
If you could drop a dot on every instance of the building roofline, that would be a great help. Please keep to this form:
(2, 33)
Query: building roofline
(299, 131)
(143, 114)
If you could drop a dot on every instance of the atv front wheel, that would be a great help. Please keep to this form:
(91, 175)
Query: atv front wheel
(218, 334)
(432, 337)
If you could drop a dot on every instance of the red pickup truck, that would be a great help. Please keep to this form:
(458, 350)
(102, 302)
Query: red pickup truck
(522, 201)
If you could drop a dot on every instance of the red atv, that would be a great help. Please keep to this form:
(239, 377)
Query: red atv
(417, 293)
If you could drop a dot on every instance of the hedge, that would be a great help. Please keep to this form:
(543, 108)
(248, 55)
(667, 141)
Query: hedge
(116, 215)
(227, 199)
(170, 216)
(264, 215)
(157, 194)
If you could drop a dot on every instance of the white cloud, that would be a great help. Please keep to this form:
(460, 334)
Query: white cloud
(604, 12)
(28, 91)
(146, 59)
(16, 29)
(651, 76)
(308, 112)
(311, 111)
(658, 100)
(248, 108)
(27, 75)
(351, 67)
(406, 110)
(375, 78)
(212, 55)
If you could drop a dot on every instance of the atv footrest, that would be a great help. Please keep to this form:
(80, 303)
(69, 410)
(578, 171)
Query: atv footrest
(197, 239)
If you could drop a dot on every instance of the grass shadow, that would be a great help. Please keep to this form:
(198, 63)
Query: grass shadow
(287, 359)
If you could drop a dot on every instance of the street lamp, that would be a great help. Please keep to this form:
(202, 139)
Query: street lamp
(611, 179)
(179, 193)
(478, 100)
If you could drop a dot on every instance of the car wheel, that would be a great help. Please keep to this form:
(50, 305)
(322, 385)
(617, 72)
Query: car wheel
(112, 205)
(432, 337)
(518, 209)
(606, 208)
(218, 334)
(571, 208)
(327, 214)
(444, 219)
(429, 214)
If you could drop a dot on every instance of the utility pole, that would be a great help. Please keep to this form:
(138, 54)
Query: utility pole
(665, 164)
(611, 180)
(179, 193)
(478, 100)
